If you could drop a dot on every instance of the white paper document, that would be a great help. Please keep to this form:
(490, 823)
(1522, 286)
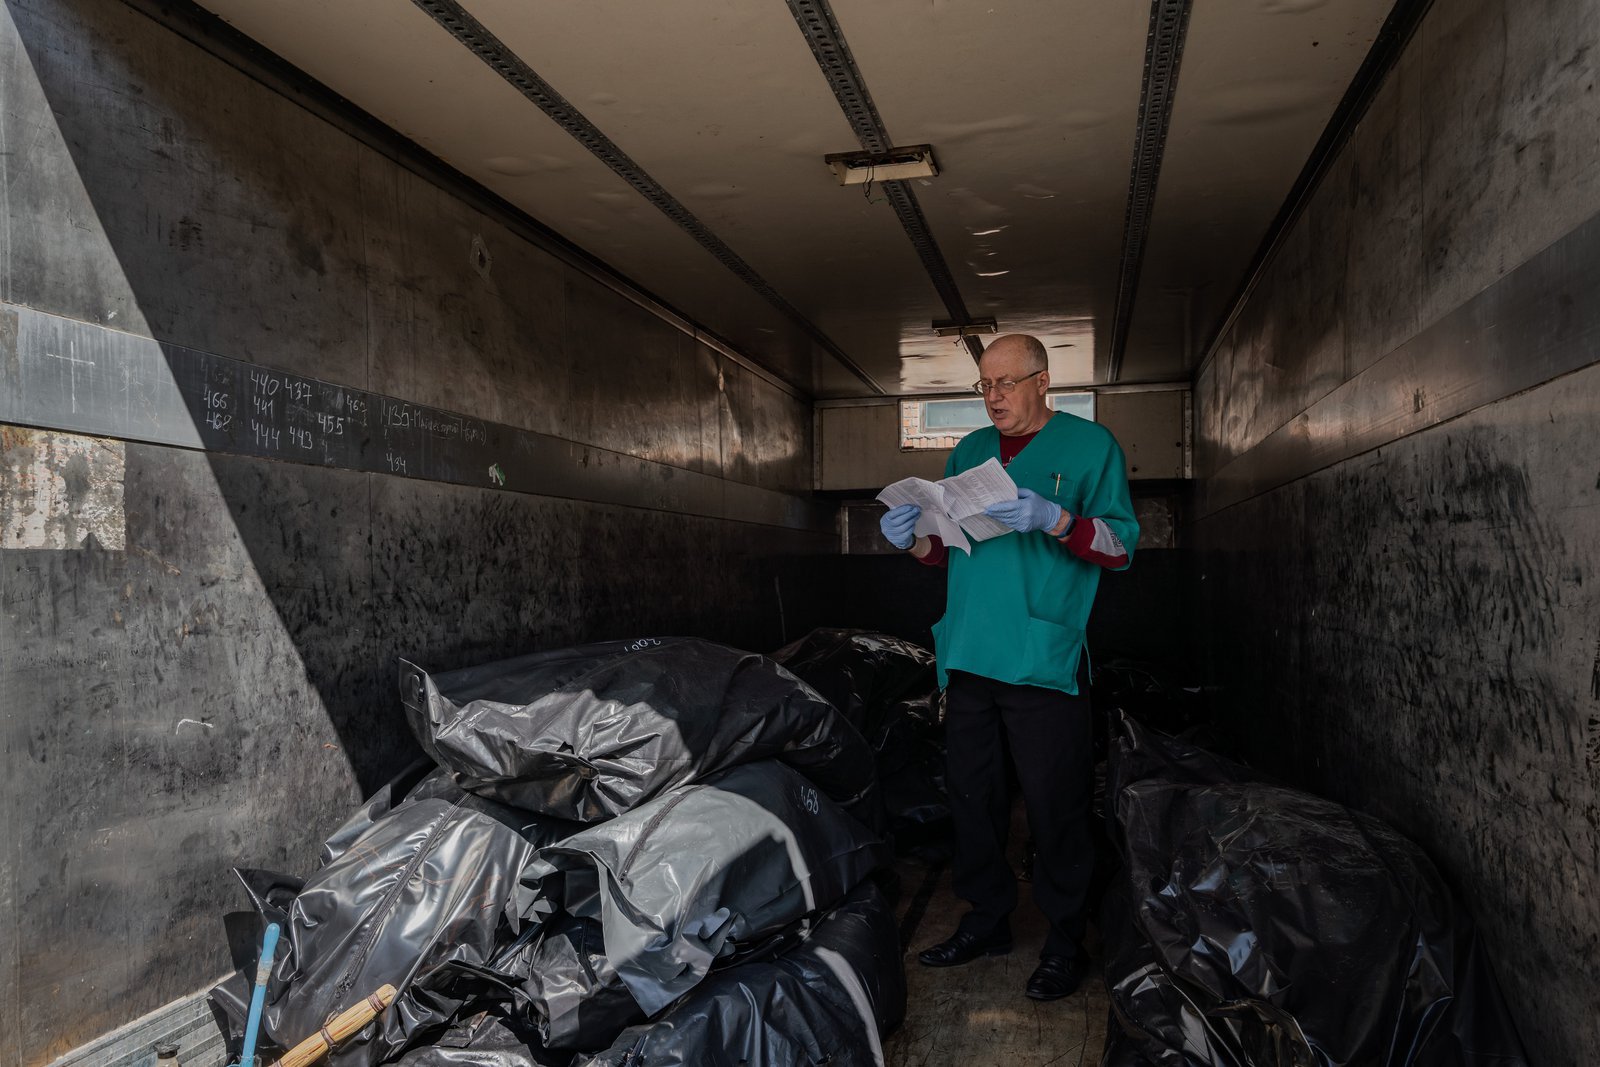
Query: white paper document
(952, 509)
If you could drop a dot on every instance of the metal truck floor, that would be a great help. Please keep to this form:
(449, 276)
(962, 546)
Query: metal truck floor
(976, 1014)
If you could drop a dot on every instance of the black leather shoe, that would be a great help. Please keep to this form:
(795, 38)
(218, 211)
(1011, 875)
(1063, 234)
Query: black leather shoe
(1055, 977)
(963, 947)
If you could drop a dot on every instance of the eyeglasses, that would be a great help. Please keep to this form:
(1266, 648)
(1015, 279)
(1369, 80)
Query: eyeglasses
(1001, 385)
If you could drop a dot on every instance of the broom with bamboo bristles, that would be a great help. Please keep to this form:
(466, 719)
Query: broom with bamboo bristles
(340, 1028)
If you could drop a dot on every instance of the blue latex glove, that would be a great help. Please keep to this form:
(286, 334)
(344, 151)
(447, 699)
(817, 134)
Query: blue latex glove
(1029, 511)
(899, 525)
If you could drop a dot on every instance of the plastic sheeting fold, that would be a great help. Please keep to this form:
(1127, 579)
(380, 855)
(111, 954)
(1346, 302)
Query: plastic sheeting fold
(873, 678)
(829, 1001)
(711, 842)
(486, 1039)
(703, 871)
(421, 876)
(1259, 926)
(887, 688)
(578, 999)
(591, 732)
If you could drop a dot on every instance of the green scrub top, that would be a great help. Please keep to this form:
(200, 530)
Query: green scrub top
(1018, 605)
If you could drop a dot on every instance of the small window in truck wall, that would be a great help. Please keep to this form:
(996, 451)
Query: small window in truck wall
(931, 424)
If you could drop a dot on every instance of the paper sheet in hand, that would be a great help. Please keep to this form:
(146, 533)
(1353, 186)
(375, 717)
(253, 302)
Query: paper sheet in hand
(952, 509)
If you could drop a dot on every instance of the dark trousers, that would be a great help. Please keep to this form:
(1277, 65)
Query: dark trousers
(1051, 741)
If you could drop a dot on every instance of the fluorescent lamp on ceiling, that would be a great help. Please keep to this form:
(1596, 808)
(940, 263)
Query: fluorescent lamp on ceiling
(897, 164)
(970, 328)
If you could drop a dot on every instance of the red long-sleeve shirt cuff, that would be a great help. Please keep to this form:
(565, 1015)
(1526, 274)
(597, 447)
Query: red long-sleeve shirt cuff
(937, 555)
(1094, 541)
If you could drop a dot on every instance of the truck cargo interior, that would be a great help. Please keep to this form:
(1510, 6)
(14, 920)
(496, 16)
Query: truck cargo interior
(350, 351)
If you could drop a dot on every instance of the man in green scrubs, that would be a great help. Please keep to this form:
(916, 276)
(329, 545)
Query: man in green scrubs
(1012, 658)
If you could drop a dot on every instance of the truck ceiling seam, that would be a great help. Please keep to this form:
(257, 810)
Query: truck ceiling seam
(1393, 35)
(821, 30)
(498, 57)
(1163, 54)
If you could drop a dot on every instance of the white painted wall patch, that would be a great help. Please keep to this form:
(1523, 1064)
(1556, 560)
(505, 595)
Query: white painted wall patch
(58, 490)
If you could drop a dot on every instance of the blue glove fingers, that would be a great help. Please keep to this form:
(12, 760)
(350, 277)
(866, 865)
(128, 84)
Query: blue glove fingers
(1008, 512)
(899, 525)
(1042, 514)
(1028, 512)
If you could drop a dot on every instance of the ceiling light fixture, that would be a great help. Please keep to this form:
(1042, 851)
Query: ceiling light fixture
(986, 233)
(992, 273)
(859, 168)
(970, 328)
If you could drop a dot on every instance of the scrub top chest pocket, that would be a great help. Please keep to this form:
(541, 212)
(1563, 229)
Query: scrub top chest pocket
(1054, 487)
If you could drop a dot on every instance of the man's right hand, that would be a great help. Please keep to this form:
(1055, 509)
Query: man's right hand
(899, 525)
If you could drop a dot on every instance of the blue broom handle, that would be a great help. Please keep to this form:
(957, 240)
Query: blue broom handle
(258, 997)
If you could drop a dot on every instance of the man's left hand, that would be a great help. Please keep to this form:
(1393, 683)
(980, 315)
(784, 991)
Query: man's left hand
(1029, 511)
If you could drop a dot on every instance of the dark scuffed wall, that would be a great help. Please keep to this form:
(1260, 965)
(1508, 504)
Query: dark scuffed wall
(215, 684)
(1414, 628)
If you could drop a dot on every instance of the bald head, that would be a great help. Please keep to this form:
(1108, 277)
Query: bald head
(1029, 349)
